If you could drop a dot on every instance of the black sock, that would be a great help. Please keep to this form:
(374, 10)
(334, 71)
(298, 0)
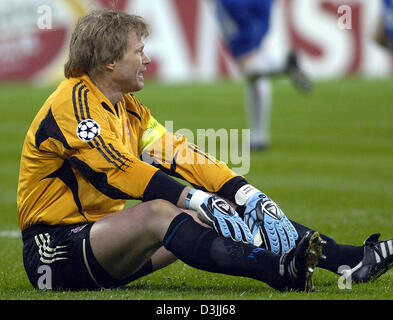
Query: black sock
(202, 248)
(337, 255)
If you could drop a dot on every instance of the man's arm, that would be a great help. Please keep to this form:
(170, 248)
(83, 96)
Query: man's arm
(174, 155)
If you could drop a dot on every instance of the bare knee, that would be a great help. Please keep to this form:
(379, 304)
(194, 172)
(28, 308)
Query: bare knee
(162, 210)
(160, 214)
(161, 207)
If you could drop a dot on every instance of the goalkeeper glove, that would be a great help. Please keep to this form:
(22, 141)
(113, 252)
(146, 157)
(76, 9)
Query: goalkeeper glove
(269, 226)
(219, 214)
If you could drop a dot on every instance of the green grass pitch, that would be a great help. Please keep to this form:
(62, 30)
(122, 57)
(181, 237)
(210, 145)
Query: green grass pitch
(330, 167)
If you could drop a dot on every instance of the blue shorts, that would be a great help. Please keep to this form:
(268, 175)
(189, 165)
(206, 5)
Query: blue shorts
(244, 23)
(387, 10)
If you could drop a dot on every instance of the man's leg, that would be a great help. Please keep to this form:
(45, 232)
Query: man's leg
(159, 259)
(364, 263)
(162, 257)
(257, 70)
(258, 109)
(337, 255)
(201, 248)
(122, 242)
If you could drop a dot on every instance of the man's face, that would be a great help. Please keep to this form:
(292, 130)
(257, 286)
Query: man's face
(128, 72)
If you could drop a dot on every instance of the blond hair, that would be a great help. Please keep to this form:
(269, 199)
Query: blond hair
(101, 37)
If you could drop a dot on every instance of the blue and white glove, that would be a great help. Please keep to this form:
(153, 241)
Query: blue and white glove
(269, 226)
(219, 214)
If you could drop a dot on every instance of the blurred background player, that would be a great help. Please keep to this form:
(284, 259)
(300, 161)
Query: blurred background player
(244, 25)
(384, 34)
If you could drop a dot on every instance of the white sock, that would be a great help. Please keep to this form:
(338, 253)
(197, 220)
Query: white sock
(259, 99)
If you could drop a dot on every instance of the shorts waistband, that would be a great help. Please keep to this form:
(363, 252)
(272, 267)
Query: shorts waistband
(45, 228)
(36, 229)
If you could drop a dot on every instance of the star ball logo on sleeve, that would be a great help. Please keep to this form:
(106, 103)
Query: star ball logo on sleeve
(88, 129)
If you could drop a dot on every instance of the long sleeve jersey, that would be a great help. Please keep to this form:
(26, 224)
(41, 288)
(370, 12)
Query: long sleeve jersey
(84, 157)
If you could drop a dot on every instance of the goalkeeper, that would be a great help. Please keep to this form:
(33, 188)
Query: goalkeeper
(82, 160)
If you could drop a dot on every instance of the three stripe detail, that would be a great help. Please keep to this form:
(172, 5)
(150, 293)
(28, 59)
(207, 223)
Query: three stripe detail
(82, 112)
(48, 253)
(386, 249)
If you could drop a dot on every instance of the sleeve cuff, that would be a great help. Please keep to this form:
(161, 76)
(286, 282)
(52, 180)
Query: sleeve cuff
(229, 189)
(162, 186)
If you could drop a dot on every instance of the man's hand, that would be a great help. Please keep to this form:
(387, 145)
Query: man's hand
(269, 226)
(219, 214)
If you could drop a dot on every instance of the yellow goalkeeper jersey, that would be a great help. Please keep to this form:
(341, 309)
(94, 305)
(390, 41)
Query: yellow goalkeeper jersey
(84, 157)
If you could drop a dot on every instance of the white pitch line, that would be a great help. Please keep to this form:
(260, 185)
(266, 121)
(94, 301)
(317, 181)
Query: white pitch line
(10, 234)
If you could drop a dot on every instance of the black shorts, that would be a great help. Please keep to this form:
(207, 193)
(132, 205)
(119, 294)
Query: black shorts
(60, 258)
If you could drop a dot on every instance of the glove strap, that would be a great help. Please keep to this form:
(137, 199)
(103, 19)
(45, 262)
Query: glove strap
(195, 198)
(188, 198)
(244, 193)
